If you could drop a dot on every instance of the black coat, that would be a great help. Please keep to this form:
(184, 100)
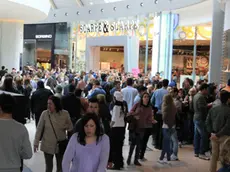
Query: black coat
(39, 100)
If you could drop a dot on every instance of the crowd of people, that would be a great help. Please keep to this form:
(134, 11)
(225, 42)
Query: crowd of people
(82, 118)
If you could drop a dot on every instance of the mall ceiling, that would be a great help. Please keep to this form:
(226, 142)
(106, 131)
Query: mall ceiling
(78, 3)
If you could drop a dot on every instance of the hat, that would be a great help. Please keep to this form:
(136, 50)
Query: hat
(118, 96)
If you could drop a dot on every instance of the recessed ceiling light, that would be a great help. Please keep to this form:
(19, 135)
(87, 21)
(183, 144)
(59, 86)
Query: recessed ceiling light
(114, 8)
(66, 14)
(90, 11)
(142, 4)
(91, 3)
(102, 10)
(128, 6)
(156, 1)
(78, 13)
(55, 15)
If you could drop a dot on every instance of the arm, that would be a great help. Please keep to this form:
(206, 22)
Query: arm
(26, 150)
(226, 128)
(69, 154)
(209, 122)
(69, 124)
(104, 155)
(40, 129)
(202, 106)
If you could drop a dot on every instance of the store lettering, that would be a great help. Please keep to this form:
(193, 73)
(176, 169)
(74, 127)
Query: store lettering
(43, 36)
(109, 27)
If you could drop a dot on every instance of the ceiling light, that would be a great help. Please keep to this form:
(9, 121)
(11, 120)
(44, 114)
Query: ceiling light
(102, 10)
(90, 11)
(128, 6)
(66, 14)
(114, 8)
(156, 1)
(142, 4)
(91, 3)
(78, 13)
(55, 15)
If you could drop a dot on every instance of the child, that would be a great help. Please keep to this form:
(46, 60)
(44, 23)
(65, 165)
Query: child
(225, 157)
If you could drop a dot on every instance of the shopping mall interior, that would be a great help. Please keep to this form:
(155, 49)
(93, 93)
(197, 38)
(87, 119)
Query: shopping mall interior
(155, 38)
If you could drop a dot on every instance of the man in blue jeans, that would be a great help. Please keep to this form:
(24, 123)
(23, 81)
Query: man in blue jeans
(200, 114)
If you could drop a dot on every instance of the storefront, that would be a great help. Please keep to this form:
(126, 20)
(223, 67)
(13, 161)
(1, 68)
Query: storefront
(45, 45)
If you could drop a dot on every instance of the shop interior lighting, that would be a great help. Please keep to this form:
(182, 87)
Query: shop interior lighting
(142, 4)
(78, 13)
(66, 14)
(54, 15)
(90, 11)
(128, 6)
(114, 8)
(102, 10)
(156, 1)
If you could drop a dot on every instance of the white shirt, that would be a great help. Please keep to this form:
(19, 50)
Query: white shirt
(118, 117)
(129, 94)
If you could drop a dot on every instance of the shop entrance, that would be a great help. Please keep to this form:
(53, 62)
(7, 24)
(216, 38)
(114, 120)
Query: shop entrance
(29, 53)
(110, 57)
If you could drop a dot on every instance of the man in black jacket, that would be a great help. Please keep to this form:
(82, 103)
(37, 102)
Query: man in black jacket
(39, 100)
(218, 124)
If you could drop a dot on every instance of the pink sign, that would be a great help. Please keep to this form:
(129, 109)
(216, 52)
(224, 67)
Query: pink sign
(135, 72)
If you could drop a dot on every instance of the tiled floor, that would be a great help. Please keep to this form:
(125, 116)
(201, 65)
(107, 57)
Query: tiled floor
(187, 163)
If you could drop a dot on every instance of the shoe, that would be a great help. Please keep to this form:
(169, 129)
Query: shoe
(161, 161)
(196, 155)
(174, 158)
(143, 159)
(137, 163)
(204, 157)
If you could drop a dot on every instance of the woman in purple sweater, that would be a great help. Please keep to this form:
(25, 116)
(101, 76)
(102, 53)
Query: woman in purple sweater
(88, 150)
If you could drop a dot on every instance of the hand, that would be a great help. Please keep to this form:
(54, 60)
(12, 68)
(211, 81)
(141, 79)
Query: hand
(154, 121)
(213, 137)
(35, 149)
(137, 117)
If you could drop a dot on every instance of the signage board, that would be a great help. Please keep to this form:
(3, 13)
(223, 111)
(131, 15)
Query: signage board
(43, 36)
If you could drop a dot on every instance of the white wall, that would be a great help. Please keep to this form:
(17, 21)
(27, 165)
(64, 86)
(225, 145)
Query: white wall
(11, 44)
(196, 14)
(131, 50)
(227, 16)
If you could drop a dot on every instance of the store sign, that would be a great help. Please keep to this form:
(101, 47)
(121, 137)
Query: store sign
(43, 36)
(106, 27)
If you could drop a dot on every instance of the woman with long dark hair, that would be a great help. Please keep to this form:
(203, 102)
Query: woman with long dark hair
(52, 127)
(140, 118)
(88, 150)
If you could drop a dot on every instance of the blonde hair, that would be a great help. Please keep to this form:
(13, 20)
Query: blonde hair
(225, 153)
(101, 98)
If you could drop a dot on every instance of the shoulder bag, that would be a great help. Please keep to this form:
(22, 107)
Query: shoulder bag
(62, 145)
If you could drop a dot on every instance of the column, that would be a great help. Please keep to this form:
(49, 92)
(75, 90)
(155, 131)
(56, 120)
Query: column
(227, 16)
(11, 44)
(216, 43)
(70, 66)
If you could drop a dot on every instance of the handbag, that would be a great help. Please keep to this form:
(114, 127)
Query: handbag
(62, 145)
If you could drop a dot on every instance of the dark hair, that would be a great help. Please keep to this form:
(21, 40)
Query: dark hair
(3, 67)
(8, 83)
(78, 92)
(224, 96)
(96, 82)
(7, 103)
(84, 120)
(129, 81)
(57, 103)
(228, 82)
(103, 77)
(93, 100)
(71, 88)
(145, 93)
(141, 89)
(203, 87)
(40, 84)
(165, 82)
